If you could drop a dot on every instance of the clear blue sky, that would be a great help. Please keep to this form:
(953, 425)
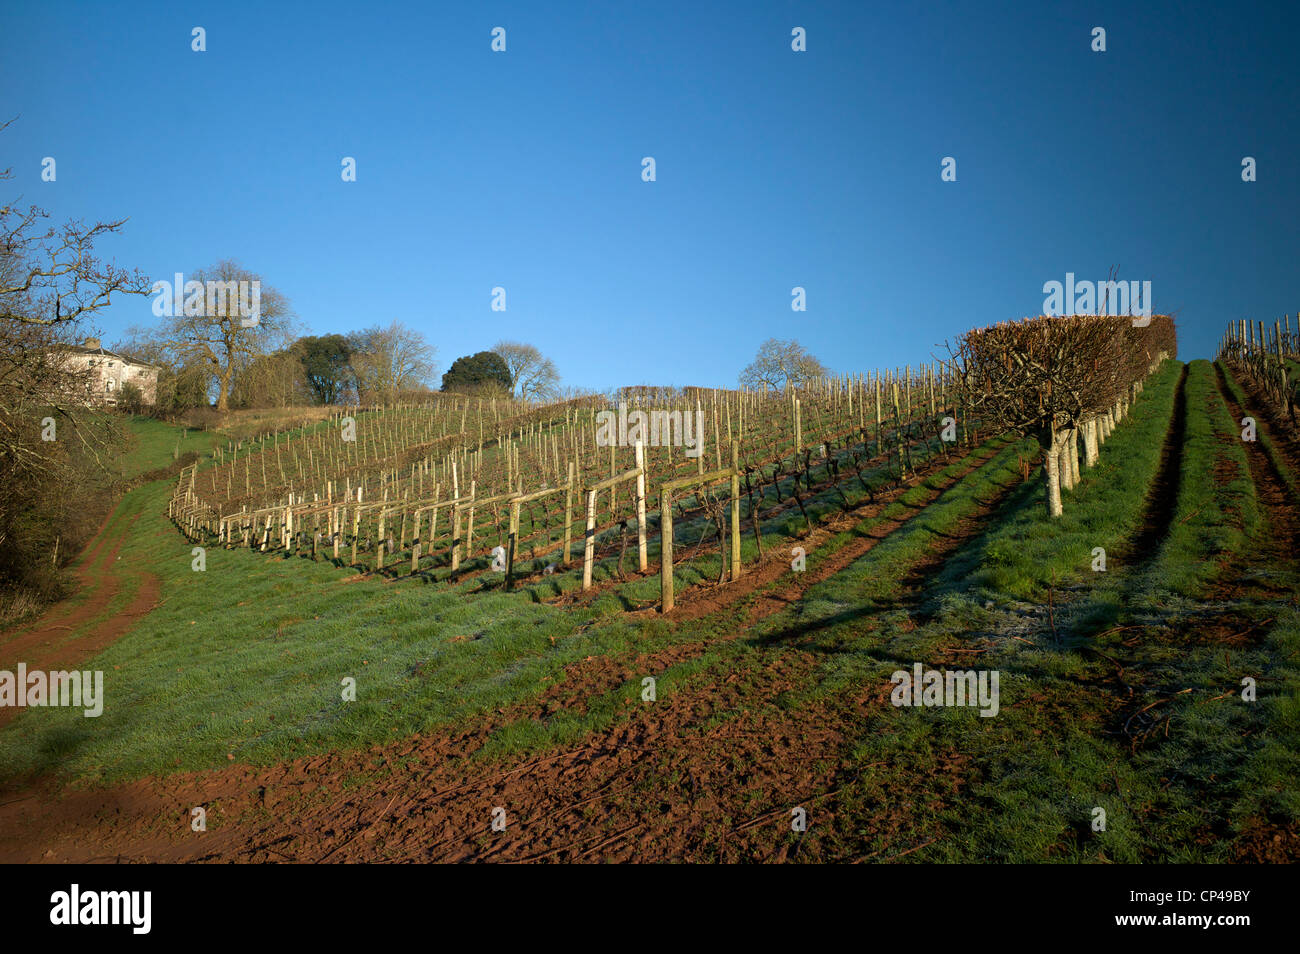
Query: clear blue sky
(775, 169)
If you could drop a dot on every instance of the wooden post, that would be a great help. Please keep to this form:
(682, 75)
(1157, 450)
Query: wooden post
(642, 557)
(455, 536)
(469, 529)
(798, 426)
(699, 433)
(666, 551)
(415, 541)
(898, 433)
(568, 514)
(735, 512)
(356, 527)
(433, 517)
(589, 554)
(512, 542)
(878, 417)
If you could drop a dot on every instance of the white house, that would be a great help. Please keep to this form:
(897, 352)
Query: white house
(109, 371)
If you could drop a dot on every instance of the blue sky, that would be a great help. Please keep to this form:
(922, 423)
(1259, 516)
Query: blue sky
(775, 169)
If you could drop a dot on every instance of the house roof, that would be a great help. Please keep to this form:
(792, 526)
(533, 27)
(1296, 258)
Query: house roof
(104, 352)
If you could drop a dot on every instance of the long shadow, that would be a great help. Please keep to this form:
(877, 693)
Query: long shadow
(958, 545)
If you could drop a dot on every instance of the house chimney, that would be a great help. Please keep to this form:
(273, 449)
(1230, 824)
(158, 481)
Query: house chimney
(92, 344)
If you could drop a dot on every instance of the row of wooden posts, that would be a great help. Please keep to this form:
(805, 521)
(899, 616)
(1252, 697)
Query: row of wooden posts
(1262, 354)
(259, 528)
(551, 437)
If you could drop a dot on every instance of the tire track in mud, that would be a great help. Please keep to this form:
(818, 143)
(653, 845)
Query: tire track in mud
(1280, 519)
(1162, 496)
(802, 753)
(1247, 576)
(1119, 697)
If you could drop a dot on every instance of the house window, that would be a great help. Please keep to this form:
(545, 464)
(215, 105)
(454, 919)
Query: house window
(108, 385)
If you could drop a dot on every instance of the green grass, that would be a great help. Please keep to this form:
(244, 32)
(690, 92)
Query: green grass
(154, 444)
(1028, 553)
(1039, 770)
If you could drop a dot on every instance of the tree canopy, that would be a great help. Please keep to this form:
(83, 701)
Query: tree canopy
(471, 372)
(325, 364)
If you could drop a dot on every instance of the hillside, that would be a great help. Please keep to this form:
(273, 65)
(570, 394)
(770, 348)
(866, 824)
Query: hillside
(1120, 689)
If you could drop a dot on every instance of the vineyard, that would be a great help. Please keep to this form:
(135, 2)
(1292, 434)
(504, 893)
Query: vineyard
(368, 489)
(658, 624)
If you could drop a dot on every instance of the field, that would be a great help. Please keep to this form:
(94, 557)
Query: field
(502, 709)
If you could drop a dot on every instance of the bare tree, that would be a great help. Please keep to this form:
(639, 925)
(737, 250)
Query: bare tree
(781, 364)
(53, 269)
(53, 449)
(388, 360)
(273, 380)
(209, 324)
(532, 374)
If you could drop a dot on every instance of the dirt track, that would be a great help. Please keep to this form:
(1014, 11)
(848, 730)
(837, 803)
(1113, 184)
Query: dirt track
(77, 629)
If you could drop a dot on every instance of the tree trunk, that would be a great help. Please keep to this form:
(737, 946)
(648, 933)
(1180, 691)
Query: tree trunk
(1072, 453)
(223, 395)
(1090, 450)
(1063, 460)
(1052, 479)
(1050, 440)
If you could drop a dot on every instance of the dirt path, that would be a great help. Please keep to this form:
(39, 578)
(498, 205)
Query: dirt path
(77, 629)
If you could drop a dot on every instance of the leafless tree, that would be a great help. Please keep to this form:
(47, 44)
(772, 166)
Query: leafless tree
(52, 270)
(532, 375)
(54, 451)
(781, 364)
(389, 360)
(215, 332)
